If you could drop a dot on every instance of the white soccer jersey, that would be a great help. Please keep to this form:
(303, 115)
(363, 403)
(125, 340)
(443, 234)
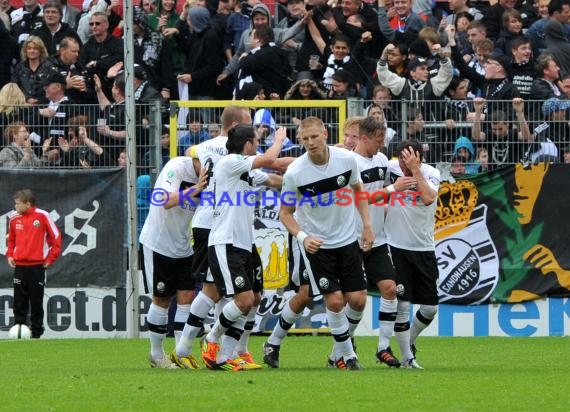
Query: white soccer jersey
(210, 152)
(314, 189)
(373, 174)
(234, 202)
(167, 231)
(411, 225)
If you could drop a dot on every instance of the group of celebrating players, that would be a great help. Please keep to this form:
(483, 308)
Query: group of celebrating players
(338, 248)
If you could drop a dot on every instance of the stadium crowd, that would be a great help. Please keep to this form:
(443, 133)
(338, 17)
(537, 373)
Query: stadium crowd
(451, 77)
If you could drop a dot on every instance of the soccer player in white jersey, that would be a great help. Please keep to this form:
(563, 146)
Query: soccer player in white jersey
(409, 226)
(378, 267)
(326, 230)
(206, 155)
(167, 249)
(231, 240)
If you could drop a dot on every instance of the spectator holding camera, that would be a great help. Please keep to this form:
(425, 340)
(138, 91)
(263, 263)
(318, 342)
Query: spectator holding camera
(77, 149)
(102, 50)
(79, 82)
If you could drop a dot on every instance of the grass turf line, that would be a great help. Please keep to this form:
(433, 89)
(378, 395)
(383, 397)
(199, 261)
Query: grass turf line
(461, 374)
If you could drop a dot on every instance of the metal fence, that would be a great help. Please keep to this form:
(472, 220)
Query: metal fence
(75, 136)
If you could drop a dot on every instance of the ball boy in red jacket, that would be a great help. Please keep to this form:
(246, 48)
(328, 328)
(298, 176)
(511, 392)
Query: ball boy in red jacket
(34, 243)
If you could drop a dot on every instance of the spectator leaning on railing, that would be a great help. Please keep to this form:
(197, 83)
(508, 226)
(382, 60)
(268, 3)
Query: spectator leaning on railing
(18, 151)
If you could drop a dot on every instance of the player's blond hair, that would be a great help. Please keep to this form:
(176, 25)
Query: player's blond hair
(311, 121)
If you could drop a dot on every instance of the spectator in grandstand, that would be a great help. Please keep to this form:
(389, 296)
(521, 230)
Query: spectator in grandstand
(404, 26)
(266, 128)
(462, 21)
(566, 154)
(498, 134)
(80, 84)
(483, 158)
(251, 91)
(495, 85)
(90, 7)
(458, 166)
(343, 85)
(53, 30)
(557, 10)
(214, 130)
(545, 85)
(204, 58)
(521, 71)
(7, 8)
(260, 15)
(18, 151)
(295, 13)
(418, 87)
(33, 245)
(493, 17)
(147, 6)
(305, 89)
(465, 149)
(111, 131)
(31, 73)
(382, 97)
(50, 120)
(550, 134)
(338, 59)
(236, 24)
(77, 149)
(101, 51)
(13, 106)
(70, 14)
(512, 28)
(196, 132)
(555, 35)
(9, 53)
(164, 18)
(414, 129)
(153, 53)
(476, 32)
(398, 58)
(461, 6)
(25, 19)
(164, 150)
(265, 64)
(352, 18)
(456, 109)
(426, 47)
(565, 86)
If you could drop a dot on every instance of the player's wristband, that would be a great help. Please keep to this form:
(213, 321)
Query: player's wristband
(301, 236)
(390, 189)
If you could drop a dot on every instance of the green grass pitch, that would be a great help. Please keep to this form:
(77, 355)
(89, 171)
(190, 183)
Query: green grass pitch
(461, 374)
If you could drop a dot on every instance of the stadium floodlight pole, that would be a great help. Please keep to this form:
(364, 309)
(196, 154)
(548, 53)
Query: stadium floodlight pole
(129, 54)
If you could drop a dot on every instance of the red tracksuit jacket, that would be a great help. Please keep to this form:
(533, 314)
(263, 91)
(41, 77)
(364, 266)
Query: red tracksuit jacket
(33, 238)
